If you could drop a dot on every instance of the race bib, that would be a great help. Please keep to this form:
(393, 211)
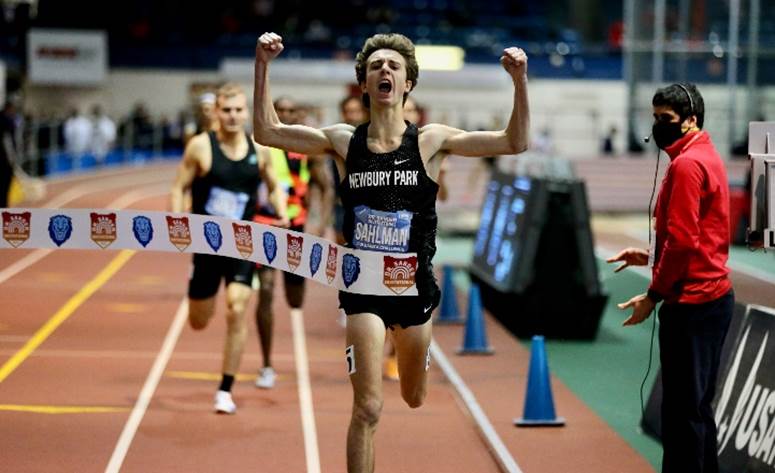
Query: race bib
(382, 231)
(225, 203)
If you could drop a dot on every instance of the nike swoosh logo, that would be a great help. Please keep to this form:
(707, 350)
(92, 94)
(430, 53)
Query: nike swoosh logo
(399, 162)
(428, 308)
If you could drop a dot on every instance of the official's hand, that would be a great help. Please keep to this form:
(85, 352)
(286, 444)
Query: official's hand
(631, 257)
(514, 60)
(268, 47)
(642, 306)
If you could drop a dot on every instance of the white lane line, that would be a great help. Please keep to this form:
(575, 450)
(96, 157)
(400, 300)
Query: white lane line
(497, 447)
(106, 173)
(71, 194)
(65, 198)
(305, 392)
(139, 194)
(24, 263)
(151, 382)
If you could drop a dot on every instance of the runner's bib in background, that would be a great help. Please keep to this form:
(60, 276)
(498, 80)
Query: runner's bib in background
(225, 203)
(376, 230)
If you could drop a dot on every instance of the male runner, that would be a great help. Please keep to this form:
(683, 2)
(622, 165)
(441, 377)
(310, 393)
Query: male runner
(295, 173)
(223, 169)
(389, 169)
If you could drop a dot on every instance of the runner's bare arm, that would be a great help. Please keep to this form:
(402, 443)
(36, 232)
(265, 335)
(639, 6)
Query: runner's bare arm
(277, 196)
(187, 170)
(268, 128)
(512, 140)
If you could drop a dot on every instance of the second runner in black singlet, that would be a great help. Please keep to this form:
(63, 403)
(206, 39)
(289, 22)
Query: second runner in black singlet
(390, 205)
(228, 190)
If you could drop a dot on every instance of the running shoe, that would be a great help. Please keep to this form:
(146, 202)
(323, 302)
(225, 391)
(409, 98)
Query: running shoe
(224, 404)
(266, 378)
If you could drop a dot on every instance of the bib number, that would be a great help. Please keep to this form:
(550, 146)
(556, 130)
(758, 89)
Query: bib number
(225, 203)
(382, 231)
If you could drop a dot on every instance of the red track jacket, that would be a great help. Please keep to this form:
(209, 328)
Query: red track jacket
(692, 225)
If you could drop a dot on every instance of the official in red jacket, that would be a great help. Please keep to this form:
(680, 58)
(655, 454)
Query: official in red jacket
(690, 247)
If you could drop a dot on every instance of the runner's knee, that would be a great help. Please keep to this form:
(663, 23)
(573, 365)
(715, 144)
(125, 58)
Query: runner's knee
(237, 308)
(368, 411)
(294, 290)
(235, 316)
(196, 321)
(198, 315)
(414, 398)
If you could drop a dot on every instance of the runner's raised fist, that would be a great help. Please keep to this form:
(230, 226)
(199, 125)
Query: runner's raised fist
(268, 47)
(514, 60)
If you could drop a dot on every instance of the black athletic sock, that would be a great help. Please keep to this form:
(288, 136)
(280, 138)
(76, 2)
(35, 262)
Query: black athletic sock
(226, 381)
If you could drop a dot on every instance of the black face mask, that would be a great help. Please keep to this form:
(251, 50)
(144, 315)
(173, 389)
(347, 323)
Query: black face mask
(666, 133)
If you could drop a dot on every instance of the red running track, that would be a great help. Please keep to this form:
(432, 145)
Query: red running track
(79, 349)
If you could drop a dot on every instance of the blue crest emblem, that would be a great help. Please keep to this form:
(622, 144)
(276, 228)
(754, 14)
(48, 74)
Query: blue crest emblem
(213, 235)
(315, 257)
(143, 230)
(351, 269)
(270, 246)
(60, 227)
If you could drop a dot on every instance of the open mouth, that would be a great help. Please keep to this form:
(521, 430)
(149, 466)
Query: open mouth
(385, 86)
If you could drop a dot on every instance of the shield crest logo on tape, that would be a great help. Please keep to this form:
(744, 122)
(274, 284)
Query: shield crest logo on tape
(295, 247)
(142, 228)
(270, 246)
(103, 229)
(331, 264)
(399, 273)
(179, 232)
(243, 239)
(351, 269)
(60, 227)
(16, 227)
(213, 235)
(315, 257)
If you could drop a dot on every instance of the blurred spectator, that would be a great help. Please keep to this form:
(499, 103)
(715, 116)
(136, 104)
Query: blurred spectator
(616, 35)
(608, 142)
(353, 113)
(172, 132)
(6, 153)
(415, 113)
(50, 136)
(204, 117)
(139, 127)
(10, 120)
(542, 142)
(352, 110)
(103, 134)
(78, 133)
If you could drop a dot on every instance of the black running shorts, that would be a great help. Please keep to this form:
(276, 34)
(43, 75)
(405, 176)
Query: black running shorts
(209, 269)
(393, 310)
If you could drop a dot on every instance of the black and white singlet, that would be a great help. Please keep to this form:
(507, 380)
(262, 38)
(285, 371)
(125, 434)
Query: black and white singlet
(390, 205)
(229, 188)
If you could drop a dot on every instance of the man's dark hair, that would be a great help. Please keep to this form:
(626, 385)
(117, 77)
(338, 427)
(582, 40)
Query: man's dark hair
(684, 99)
(343, 103)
